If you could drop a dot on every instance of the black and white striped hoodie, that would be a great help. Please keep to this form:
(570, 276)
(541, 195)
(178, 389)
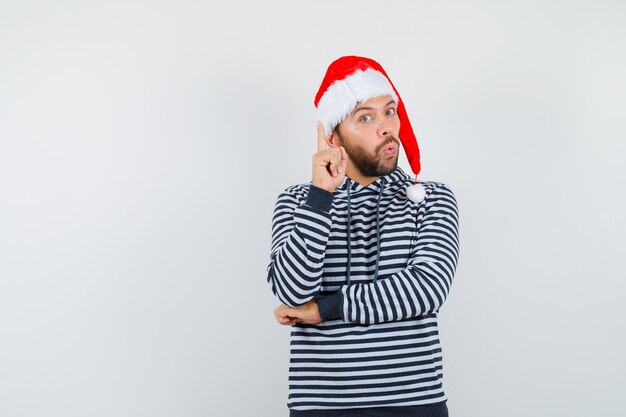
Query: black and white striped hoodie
(380, 267)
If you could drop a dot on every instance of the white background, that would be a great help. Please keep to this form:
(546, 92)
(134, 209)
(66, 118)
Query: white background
(143, 145)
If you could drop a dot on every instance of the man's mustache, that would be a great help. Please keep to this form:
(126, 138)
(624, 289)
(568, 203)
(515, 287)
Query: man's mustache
(389, 141)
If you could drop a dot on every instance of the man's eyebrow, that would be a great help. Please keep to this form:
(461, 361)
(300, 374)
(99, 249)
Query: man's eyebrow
(371, 108)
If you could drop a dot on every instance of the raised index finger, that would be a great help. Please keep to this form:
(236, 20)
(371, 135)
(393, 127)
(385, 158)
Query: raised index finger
(321, 137)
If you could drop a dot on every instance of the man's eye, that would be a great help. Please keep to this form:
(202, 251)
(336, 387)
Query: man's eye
(391, 112)
(365, 118)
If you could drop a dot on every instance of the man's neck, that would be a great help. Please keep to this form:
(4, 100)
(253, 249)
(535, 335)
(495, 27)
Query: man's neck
(355, 175)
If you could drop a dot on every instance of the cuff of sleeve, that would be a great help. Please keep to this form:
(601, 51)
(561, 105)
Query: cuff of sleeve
(331, 306)
(319, 198)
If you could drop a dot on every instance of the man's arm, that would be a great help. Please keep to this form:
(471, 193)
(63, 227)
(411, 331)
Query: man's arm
(299, 236)
(419, 289)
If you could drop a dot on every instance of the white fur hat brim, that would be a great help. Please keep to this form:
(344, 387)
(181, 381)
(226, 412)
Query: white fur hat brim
(342, 96)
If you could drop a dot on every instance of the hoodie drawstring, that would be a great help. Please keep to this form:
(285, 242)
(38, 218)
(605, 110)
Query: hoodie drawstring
(349, 234)
(380, 194)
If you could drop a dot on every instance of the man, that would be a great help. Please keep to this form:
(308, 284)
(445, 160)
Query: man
(362, 258)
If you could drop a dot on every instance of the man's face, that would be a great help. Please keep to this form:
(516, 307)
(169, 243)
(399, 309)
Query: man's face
(370, 136)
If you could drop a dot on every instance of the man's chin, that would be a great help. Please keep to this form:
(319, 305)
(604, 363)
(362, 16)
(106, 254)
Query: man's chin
(390, 167)
(385, 170)
(377, 169)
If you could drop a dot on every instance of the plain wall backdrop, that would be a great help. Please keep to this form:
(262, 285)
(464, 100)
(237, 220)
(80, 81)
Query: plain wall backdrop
(143, 145)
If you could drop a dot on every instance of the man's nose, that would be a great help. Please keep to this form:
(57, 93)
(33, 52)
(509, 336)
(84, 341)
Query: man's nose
(384, 127)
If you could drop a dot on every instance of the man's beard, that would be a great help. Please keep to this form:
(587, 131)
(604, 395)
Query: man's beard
(370, 165)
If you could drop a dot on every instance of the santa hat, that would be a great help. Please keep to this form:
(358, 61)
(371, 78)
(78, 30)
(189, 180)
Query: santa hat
(350, 80)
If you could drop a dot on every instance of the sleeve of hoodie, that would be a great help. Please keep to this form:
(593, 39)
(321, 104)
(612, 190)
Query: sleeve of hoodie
(419, 289)
(300, 231)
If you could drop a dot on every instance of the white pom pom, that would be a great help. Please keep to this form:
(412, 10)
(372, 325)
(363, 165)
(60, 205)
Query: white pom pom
(415, 193)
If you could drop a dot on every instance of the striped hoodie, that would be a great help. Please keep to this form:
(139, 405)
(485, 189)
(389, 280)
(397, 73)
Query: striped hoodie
(380, 267)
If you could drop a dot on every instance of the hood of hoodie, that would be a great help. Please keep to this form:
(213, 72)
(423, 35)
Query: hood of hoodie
(395, 176)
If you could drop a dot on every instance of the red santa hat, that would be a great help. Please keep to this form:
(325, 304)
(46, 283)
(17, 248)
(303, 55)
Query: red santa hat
(350, 80)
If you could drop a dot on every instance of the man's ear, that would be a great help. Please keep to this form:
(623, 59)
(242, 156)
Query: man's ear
(333, 140)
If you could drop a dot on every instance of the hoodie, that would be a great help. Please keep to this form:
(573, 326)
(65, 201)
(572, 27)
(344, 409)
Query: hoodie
(380, 267)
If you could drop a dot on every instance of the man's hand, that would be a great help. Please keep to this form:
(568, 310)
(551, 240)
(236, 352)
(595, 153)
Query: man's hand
(288, 316)
(329, 165)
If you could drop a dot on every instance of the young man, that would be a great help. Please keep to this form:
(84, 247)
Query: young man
(362, 258)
